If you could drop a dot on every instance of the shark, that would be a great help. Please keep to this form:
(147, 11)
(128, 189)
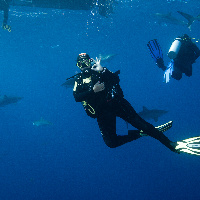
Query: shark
(151, 114)
(6, 100)
(41, 122)
(106, 57)
(190, 18)
(169, 19)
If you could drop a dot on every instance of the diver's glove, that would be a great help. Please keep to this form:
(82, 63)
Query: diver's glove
(97, 66)
(6, 27)
(168, 71)
(98, 87)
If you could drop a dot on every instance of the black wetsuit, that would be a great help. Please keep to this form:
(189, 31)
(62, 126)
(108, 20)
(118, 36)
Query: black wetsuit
(187, 55)
(4, 5)
(109, 104)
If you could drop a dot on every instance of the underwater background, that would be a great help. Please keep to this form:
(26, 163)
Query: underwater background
(68, 159)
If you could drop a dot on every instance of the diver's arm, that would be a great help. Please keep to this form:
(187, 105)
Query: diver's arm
(80, 95)
(102, 70)
(110, 77)
(5, 16)
(5, 20)
(97, 66)
(196, 50)
(112, 85)
(83, 95)
(98, 87)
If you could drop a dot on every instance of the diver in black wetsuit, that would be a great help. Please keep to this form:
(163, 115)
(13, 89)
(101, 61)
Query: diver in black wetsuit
(4, 5)
(183, 54)
(187, 56)
(102, 97)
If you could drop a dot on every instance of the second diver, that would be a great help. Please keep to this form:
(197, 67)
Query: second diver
(183, 54)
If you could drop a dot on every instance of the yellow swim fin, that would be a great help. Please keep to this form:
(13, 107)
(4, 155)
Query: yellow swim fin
(6, 27)
(161, 128)
(190, 146)
(165, 127)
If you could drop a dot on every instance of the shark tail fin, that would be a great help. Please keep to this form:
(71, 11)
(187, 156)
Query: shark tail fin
(198, 17)
(190, 18)
(145, 109)
(190, 146)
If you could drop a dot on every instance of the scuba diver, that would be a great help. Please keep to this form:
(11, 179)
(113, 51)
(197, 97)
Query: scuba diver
(102, 98)
(183, 53)
(4, 6)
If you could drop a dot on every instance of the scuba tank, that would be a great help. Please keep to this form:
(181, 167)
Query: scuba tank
(174, 49)
(185, 47)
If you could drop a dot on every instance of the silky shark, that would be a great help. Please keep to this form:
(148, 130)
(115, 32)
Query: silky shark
(151, 114)
(190, 18)
(6, 100)
(169, 19)
(106, 57)
(41, 122)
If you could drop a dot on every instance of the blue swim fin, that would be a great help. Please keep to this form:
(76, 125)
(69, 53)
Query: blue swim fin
(156, 53)
(190, 146)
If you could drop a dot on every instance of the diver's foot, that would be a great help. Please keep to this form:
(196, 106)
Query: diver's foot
(173, 147)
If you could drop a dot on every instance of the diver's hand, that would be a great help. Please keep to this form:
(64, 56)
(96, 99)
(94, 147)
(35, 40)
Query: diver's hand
(97, 66)
(98, 87)
(6, 27)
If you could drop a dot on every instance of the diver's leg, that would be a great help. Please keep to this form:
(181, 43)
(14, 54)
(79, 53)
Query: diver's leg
(107, 124)
(188, 70)
(177, 73)
(128, 113)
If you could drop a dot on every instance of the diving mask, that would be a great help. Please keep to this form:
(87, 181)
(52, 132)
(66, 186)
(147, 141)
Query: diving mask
(83, 63)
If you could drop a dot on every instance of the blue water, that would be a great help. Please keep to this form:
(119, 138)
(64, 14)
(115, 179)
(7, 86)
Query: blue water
(69, 160)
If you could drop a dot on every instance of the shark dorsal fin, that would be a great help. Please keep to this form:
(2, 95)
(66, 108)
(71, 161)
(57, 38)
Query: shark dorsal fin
(155, 119)
(145, 109)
